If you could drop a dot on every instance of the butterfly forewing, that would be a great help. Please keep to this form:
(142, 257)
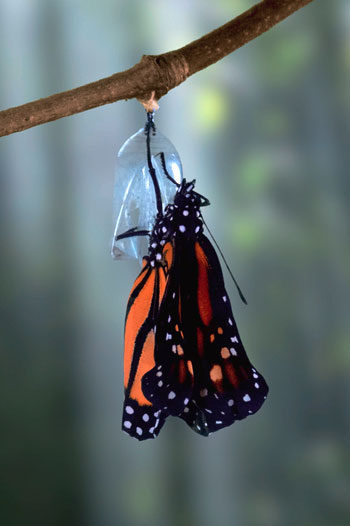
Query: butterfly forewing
(141, 418)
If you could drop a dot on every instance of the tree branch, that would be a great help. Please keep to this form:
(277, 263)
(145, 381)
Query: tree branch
(154, 73)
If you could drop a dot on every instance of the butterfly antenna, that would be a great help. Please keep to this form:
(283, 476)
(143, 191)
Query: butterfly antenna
(148, 127)
(226, 264)
(162, 160)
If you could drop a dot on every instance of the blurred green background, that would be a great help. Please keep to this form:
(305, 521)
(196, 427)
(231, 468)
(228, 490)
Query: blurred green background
(266, 134)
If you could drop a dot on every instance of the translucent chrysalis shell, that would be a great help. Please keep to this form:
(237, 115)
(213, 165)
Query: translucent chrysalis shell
(134, 195)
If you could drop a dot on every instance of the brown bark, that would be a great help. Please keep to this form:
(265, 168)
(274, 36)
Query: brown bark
(155, 74)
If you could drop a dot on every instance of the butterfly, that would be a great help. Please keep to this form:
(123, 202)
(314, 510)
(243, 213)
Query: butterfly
(183, 355)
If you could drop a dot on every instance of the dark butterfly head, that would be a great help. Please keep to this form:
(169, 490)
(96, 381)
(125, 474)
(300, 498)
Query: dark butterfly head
(182, 218)
(186, 196)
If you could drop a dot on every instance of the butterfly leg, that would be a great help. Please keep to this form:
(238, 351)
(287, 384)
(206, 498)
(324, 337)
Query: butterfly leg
(165, 170)
(131, 233)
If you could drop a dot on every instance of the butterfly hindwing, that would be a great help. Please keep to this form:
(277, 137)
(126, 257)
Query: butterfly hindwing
(227, 386)
(169, 383)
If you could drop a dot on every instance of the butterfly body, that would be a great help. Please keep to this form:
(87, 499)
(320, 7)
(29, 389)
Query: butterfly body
(183, 354)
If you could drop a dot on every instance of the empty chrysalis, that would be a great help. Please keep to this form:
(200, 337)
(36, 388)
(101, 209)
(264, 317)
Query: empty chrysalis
(135, 205)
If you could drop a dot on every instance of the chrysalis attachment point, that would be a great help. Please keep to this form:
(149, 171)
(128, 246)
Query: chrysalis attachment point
(150, 104)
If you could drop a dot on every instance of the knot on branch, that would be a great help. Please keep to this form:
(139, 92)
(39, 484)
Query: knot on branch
(173, 69)
(170, 70)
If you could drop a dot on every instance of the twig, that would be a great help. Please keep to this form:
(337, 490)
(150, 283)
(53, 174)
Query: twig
(154, 73)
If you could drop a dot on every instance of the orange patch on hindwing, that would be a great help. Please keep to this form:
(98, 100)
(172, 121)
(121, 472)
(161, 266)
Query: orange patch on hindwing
(189, 367)
(200, 341)
(225, 353)
(203, 294)
(182, 371)
(230, 374)
(216, 373)
(179, 349)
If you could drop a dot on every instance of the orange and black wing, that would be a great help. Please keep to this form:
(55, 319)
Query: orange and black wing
(227, 386)
(142, 418)
(169, 383)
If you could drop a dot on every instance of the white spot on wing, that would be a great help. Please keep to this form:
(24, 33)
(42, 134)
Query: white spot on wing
(129, 410)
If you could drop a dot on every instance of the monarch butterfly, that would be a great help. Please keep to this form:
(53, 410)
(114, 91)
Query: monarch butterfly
(183, 355)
